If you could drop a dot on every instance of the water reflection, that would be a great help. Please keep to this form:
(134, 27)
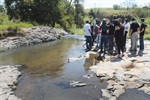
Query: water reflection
(90, 61)
(44, 59)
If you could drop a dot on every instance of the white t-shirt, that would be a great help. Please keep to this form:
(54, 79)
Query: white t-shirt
(86, 29)
(126, 26)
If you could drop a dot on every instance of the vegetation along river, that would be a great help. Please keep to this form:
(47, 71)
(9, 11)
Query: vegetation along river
(48, 72)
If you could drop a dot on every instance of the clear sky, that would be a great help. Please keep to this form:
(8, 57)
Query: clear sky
(110, 3)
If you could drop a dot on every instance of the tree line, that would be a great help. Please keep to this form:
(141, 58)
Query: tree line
(46, 12)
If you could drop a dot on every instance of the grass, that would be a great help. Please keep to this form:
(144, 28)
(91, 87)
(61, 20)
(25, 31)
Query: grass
(15, 26)
(5, 23)
(78, 31)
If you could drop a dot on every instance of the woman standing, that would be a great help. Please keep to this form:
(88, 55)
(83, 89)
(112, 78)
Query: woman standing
(118, 37)
(104, 36)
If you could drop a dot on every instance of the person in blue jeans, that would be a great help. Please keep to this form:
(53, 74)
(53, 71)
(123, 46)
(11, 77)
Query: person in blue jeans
(87, 31)
(142, 32)
(104, 37)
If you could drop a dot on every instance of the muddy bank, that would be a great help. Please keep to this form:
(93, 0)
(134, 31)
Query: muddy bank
(129, 72)
(31, 36)
(8, 81)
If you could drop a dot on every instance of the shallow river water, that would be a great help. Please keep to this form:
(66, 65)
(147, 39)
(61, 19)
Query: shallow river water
(48, 72)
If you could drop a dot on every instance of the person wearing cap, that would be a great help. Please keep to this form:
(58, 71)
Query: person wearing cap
(87, 31)
(134, 29)
(142, 32)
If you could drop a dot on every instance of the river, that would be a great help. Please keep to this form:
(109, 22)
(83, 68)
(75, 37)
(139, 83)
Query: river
(48, 72)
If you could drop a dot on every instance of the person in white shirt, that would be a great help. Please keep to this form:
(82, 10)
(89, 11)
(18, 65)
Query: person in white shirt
(87, 31)
(126, 29)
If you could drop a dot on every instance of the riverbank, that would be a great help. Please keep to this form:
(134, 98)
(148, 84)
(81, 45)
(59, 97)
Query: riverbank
(8, 81)
(129, 72)
(31, 36)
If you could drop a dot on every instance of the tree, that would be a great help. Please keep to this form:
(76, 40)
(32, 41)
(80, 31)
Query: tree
(116, 7)
(45, 12)
(92, 13)
(1, 8)
(79, 13)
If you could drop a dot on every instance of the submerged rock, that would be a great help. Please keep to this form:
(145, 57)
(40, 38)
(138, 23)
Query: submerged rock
(77, 84)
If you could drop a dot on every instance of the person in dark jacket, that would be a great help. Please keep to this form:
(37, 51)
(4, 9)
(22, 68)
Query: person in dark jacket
(111, 31)
(118, 37)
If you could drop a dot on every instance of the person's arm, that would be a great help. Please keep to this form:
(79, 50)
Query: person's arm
(130, 32)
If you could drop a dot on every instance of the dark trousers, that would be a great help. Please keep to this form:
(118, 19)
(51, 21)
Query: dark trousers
(110, 43)
(141, 42)
(124, 39)
(104, 42)
(89, 42)
(119, 43)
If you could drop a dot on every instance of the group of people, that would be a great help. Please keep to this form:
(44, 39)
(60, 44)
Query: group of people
(109, 34)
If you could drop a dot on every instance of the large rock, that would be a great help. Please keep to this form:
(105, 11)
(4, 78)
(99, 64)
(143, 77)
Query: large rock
(31, 36)
(8, 81)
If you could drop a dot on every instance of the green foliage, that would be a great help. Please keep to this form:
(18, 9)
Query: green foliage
(15, 26)
(79, 14)
(92, 14)
(43, 12)
(75, 30)
(116, 7)
(1, 8)
(142, 13)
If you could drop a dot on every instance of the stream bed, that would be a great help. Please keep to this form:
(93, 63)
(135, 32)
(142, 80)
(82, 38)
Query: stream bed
(48, 72)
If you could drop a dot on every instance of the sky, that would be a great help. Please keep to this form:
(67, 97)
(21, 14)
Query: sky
(109, 3)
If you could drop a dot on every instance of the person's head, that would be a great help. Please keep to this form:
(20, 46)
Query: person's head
(126, 20)
(117, 22)
(142, 19)
(87, 21)
(104, 21)
(98, 23)
(133, 19)
(90, 22)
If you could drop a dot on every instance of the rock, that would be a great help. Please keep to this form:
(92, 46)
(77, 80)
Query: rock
(88, 76)
(77, 84)
(106, 93)
(31, 36)
(8, 81)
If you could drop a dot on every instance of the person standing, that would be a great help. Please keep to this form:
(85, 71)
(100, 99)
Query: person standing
(118, 37)
(104, 36)
(142, 32)
(111, 30)
(87, 31)
(92, 28)
(98, 34)
(134, 29)
(126, 29)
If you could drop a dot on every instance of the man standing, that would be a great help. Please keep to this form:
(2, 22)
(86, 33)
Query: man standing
(126, 28)
(142, 31)
(134, 29)
(87, 31)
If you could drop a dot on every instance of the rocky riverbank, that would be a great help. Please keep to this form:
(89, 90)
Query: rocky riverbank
(8, 81)
(31, 36)
(129, 72)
